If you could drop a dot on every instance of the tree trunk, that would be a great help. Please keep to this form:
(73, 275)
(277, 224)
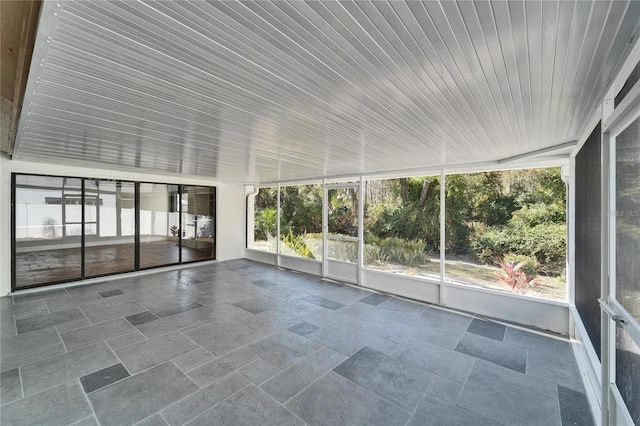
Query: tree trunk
(426, 187)
(403, 190)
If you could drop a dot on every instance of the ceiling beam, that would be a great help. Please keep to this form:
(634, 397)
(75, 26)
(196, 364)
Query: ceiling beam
(536, 153)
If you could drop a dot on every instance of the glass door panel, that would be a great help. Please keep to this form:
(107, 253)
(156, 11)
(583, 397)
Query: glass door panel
(625, 288)
(198, 222)
(342, 215)
(109, 227)
(159, 225)
(47, 235)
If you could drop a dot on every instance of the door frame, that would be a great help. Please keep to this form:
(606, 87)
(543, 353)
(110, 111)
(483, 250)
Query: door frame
(614, 410)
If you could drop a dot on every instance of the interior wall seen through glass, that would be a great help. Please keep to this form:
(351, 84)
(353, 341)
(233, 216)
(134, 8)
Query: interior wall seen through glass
(301, 221)
(402, 226)
(506, 230)
(109, 227)
(198, 223)
(159, 218)
(265, 227)
(47, 229)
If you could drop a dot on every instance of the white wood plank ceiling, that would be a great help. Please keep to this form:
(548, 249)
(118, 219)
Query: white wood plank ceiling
(261, 91)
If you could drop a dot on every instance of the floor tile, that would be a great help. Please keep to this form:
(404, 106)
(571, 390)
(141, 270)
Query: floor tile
(86, 336)
(141, 318)
(435, 359)
(10, 386)
(199, 402)
(172, 307)
(87, 421)
(574, 407)
(66, 302)
(347, 340)
(62, 368)
(487, 329)
(104, 377)
(17, 360)
(61, 405)
(98, 314)
(73, 325)
(303, 328)
(269, 322)
(28, 341)
(435, 411)
(283, 349)
(502, 402)
(137, 397)
(110, 293)
(146, 354)
(40, 321)
(26, 309)
(556, 368)
(324, 303)
(537, 343)
(335, 400)
(167, 325)
(249, 406)
(445, 389)
(257, 305)
(220, 367)
(499, 353)
(155, 420)
(295, 378)
(259, 371)
(495, 372)
(126, 340)
(395, 378)
(193, 359)
(220, 337)
(374, 299)
(401, 310)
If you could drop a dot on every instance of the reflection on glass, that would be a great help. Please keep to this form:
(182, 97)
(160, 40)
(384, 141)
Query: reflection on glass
(342, 237)
(506, 230)
(47, 229)
(402, 226)
(301, 221)
(628, 372)
(109, 227)
(159, 225)
(265, 220)
(198, 222)
(627, 217)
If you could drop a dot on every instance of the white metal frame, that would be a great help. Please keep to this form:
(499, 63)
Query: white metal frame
(617, 120)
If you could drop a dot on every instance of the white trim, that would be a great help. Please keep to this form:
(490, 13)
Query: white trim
(443, 240)
(625, 69)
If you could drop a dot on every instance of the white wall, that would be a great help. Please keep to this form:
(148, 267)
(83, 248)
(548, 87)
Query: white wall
(230, 221)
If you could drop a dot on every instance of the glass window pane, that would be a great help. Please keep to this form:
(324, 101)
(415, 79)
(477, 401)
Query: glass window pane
(343, 211)
(301, 221)
(109, 227)
(159, 225)
(402, 226)
(48, 248)
(198, 222)
(628, 372)
(342, 204)
(265, 220)
(628, 219)
(506, 231)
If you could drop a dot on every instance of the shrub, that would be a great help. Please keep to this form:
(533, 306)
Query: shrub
(265, 223)
(529, 264)
(396, 250)
(545, 242)
(298, 245)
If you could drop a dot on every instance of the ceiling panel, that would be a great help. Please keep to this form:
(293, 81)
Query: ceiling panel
(262, 91)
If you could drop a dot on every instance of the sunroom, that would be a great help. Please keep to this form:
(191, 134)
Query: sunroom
(329, 212)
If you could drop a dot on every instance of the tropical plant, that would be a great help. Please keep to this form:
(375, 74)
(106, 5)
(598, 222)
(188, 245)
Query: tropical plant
(515, 277)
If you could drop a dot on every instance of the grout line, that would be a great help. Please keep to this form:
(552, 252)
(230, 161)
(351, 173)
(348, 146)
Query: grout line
(86, 397)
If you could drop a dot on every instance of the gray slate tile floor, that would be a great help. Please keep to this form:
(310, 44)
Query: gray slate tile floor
(244, 343)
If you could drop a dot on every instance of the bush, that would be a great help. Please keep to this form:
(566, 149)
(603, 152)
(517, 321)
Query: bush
(396, 250)
(298, 245)
(265, 223)
(531, 264)
(545, 242)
